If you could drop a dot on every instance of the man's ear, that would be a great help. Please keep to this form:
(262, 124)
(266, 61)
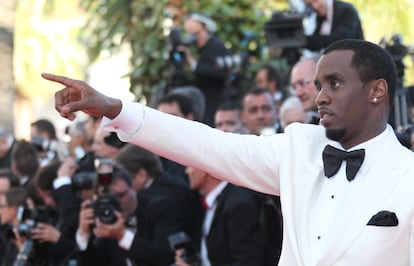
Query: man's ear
(142, 174)
(378, 91)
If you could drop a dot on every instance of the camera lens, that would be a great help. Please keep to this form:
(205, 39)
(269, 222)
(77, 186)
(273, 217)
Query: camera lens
(105, 207)
(106, 214)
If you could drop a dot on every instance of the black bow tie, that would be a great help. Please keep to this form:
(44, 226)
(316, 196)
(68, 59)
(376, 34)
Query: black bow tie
(333, 157)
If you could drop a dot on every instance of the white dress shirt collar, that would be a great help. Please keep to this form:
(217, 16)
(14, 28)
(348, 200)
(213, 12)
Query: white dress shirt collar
(213, 195)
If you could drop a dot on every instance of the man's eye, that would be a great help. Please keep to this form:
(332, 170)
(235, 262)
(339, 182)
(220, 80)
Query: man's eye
(335, 84)
(318, 86)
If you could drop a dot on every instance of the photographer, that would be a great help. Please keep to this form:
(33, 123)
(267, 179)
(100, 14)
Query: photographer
(55, 236)
(210, 79)
(119, 196)
(335, 20)
(10, 242)
(159, 213)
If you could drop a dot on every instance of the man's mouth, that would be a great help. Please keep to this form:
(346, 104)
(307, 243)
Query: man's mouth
(324, 115)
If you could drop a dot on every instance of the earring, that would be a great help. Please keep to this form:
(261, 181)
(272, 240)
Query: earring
(375, 100)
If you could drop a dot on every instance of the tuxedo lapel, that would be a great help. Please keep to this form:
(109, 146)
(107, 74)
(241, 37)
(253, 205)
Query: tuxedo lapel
(378, 185)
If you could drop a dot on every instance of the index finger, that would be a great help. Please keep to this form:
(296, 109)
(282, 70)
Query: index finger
(68, 82)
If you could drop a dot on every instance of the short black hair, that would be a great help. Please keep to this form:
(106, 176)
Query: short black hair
(134, 158)
(229, 106)
(7, 173)
(45, 125)
(119, 172)
(25, 158)
(273, 74)
(256, 92)
(16, 196)
(371, 61)
(184, 102)
(46, 175)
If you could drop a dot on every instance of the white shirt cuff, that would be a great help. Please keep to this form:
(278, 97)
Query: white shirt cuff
(61, 181)
(126, 240)
(82, 241)
(123, 120)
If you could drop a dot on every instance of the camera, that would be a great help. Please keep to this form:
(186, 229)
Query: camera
(398, 51)
(285, 30)
(30, 217)
(175, 40)
(104, 208)
(84, 180)
(106, 204)
(181, 240)
(102, 175)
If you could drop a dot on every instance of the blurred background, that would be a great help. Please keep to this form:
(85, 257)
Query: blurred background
(124, 47)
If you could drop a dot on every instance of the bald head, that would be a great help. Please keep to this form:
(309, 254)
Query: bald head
(302, 85)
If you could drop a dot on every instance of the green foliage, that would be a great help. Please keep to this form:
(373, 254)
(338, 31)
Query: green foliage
(141, 24)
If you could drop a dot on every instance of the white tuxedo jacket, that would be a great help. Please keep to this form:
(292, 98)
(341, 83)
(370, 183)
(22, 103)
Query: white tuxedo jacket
(290, 165)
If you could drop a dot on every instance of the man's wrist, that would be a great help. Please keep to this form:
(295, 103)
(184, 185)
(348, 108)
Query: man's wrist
(113, 109)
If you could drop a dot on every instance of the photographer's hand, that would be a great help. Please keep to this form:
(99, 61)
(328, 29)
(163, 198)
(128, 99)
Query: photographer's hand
(68, 167)
(18, 239)
(189, 58)
(116, 230)
(86, 218)
(79, 96)
(45, 233)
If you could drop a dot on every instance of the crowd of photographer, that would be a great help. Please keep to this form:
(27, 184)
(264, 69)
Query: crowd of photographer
(73, 207)
(91, 199)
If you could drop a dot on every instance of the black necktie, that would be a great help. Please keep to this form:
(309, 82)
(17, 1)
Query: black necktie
(333, 157)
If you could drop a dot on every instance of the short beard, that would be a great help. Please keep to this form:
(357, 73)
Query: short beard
(335, 134)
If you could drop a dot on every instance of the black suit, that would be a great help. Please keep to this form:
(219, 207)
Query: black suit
(176, 190)
(8, 250)
(66, 221)
(345, 25)
(166, 207)
(157, 219)
(210, 79)
(235, 236)
(163, 209)
(102, 252)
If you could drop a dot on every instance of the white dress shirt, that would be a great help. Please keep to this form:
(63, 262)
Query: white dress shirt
(335, 193)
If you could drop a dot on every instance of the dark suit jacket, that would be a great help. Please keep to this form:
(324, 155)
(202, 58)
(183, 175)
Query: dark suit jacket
(66, 221)
(345, 25)
(102, 252)
(166, 207)
(68, 206)
(188, 201)
(235, 236)
(210, 79)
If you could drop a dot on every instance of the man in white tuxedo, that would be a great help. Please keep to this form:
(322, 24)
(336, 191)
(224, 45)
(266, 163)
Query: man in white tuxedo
(363, 214)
